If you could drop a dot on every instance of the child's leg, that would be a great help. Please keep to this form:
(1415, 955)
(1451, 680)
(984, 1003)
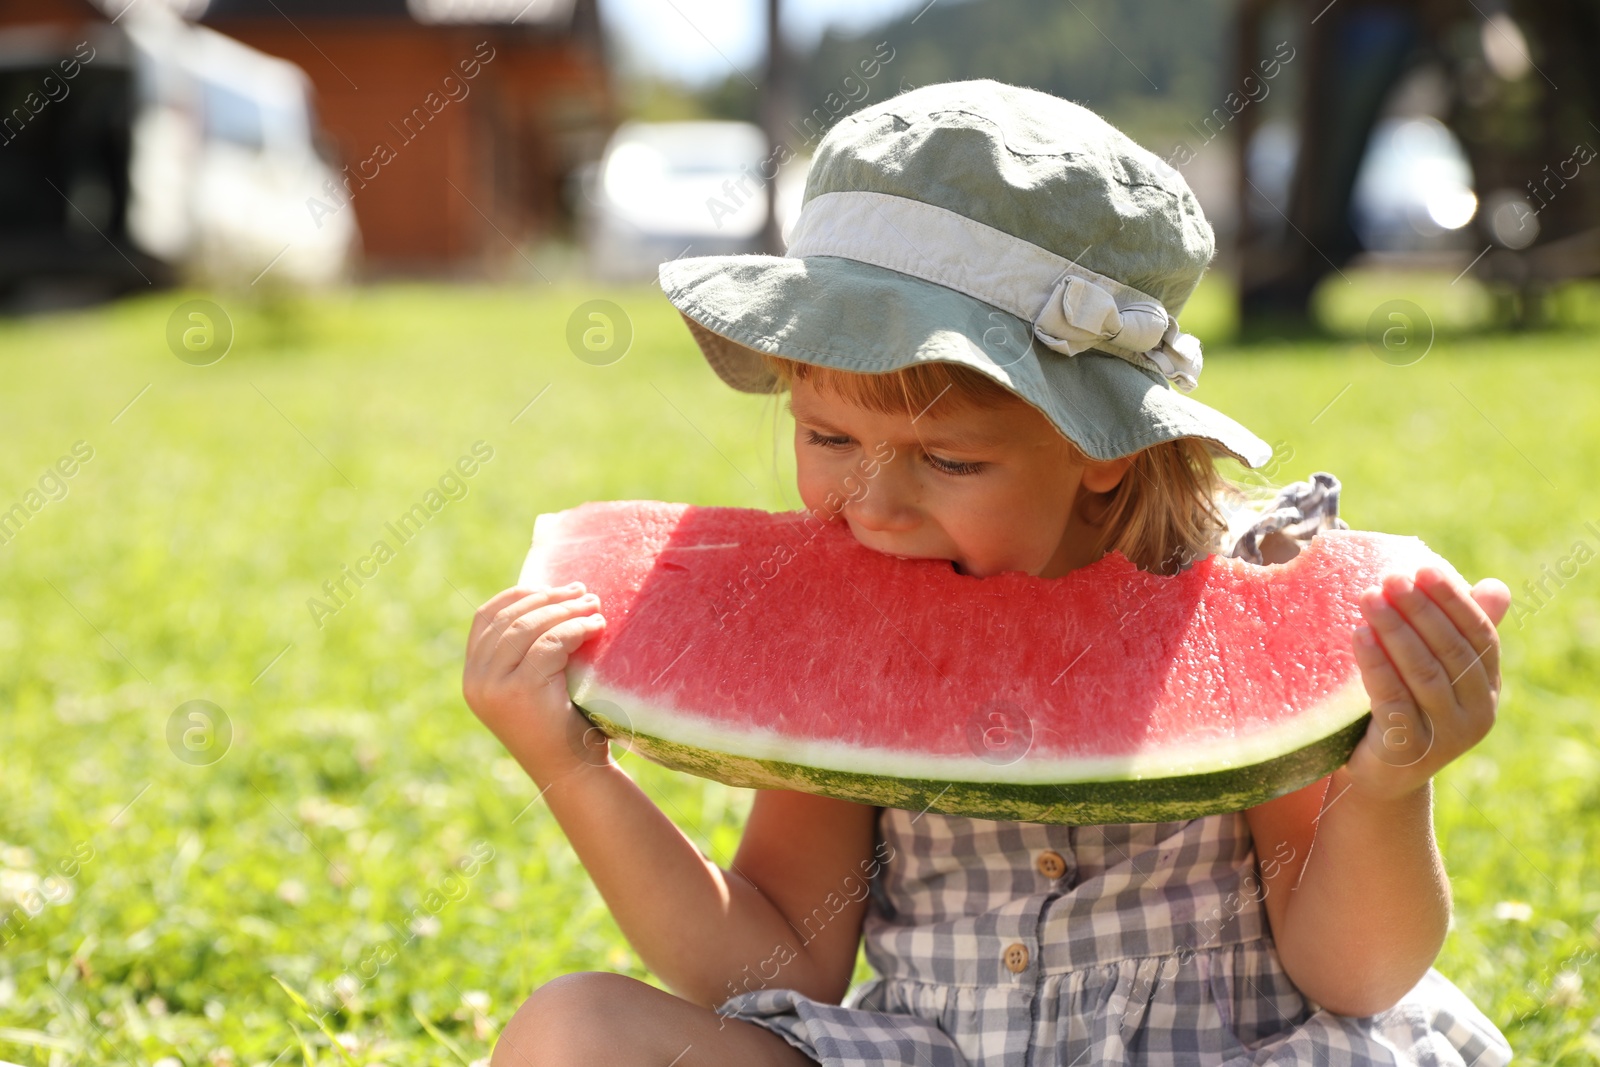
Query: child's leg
(600, 1019)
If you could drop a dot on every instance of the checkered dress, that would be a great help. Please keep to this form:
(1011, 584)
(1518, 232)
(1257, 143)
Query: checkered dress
(1006, 944)
(1150, 947)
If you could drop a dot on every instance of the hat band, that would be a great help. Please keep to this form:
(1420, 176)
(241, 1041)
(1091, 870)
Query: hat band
(1072, 308)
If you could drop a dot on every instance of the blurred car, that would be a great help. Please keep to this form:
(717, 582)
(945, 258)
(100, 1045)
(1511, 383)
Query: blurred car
(1413, 191)
(152, 150)
(665, 189)
(1414, 188)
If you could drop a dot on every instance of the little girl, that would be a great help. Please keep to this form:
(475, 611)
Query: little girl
(982, 287)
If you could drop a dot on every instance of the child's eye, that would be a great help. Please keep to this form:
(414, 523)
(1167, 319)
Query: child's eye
(815, 438)
(949, 466)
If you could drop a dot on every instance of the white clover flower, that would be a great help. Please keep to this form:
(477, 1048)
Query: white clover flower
(14, 883)
(1567, 990)
(16, 856)
(1513, 911)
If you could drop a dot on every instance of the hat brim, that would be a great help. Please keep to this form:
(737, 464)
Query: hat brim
(853, 316)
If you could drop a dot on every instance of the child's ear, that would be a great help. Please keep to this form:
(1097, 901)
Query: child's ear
(1102, 476)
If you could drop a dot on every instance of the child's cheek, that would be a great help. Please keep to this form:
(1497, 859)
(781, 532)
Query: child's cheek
(817, 488)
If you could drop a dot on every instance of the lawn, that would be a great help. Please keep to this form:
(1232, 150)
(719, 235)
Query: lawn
(363, 877)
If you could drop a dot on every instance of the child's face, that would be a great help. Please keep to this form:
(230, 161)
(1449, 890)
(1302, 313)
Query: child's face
(991, 488)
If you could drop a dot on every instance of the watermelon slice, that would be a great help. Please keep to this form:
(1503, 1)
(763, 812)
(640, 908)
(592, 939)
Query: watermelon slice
(775, 651)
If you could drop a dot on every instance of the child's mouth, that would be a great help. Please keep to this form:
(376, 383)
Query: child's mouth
(955, 565)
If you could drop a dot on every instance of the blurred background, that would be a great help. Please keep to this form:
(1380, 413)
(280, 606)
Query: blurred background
(314, 142)
(273, 271)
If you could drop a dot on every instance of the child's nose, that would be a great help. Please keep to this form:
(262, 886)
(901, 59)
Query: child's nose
(885, 506)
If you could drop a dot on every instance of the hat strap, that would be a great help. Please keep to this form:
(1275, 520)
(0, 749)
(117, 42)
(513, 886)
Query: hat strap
(1072, 308)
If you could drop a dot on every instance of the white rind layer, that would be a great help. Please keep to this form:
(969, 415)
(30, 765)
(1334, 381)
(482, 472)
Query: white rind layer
(1224, 754)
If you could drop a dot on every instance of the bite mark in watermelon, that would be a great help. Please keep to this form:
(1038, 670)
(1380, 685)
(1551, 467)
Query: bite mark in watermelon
(775, 651)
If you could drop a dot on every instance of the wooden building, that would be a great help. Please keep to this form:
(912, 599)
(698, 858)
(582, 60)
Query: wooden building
(456, 122)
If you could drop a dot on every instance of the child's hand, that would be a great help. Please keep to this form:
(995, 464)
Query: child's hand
(1430, 658)
(515, 676)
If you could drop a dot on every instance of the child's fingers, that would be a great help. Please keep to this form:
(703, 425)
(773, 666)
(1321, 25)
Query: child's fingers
(547, 654)
(1416, 663)
(1462, 663)
(488, 627)
(484, 617)
(1384, 685)
(485, 654)
(1472, 618)
(491, 607)
(503, 599)
(1493, 596)
(1403, 730)
(524, 631)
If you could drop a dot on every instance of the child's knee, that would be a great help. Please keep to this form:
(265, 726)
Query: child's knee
(564, 1023)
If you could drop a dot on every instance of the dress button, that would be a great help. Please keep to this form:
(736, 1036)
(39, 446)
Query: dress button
(1051, 865)
(1016, 958)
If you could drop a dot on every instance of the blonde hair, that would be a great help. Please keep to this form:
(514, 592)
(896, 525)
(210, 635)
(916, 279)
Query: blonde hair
(1171, 507)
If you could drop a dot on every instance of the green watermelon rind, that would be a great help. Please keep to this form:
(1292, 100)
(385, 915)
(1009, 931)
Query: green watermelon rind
(1252, 746)
(1084, 803)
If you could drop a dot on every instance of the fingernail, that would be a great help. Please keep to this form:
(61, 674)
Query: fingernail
(1364, 636)
(574, 585)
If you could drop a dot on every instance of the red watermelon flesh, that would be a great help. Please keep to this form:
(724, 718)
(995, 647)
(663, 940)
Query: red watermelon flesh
(775, 651)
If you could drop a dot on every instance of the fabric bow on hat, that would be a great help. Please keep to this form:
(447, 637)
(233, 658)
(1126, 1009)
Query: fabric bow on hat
(1080, 315)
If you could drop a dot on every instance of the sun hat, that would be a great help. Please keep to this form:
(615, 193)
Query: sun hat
(993, 226)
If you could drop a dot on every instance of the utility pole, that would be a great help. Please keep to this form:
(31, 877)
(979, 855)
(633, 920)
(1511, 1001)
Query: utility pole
(774, 101)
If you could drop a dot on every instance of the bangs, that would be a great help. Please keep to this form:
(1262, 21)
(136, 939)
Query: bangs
(908, 391)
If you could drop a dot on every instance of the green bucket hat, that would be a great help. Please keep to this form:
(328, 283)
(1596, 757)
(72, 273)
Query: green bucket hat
(992, 226)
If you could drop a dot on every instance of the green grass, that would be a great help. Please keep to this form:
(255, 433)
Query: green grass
(357, 785)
